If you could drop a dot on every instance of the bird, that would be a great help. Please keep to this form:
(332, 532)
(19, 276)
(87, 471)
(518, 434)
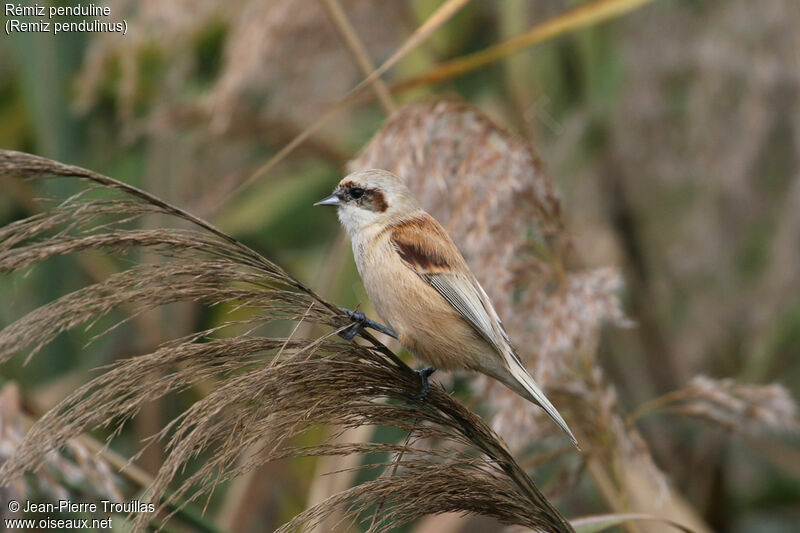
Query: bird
(422, 288)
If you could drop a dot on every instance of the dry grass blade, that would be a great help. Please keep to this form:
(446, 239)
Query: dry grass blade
(579, 17)
(596, 524)
(599, 523)
(452, 461)
(359, 52)
(444, 13)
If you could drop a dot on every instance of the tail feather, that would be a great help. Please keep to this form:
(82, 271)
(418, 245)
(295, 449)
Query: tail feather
(528, 389)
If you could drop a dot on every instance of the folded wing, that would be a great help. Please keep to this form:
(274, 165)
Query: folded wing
(428, 250)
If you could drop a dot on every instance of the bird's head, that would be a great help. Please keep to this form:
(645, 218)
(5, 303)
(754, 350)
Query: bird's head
(369, 197)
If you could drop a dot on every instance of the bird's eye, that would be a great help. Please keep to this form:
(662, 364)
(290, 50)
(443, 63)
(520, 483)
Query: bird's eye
(356, 193)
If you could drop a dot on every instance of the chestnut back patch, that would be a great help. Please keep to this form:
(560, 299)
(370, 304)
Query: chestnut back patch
(420, 258)
(419, 242)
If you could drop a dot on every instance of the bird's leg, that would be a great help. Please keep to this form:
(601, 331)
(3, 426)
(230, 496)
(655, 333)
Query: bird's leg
(360, 321)
(424, 374)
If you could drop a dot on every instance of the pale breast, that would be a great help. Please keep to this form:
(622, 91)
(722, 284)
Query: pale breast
(428, 326)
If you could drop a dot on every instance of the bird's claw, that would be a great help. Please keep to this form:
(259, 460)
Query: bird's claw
(423, 374)
(360, 321)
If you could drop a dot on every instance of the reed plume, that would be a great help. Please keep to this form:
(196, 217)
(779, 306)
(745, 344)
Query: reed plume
(736, 407)
(267, 390)
(74, 471)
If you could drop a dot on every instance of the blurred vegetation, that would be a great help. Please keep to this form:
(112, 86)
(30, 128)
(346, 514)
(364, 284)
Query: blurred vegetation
(672, 134)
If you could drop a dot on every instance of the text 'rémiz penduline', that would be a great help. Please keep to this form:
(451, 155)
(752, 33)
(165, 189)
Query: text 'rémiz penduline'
(17, 15)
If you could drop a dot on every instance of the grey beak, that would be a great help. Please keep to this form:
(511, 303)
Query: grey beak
(330, 200)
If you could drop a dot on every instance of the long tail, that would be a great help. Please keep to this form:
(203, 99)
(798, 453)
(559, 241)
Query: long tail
(523, 384)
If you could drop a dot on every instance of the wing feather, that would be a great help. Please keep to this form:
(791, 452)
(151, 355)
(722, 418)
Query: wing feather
(460, 292)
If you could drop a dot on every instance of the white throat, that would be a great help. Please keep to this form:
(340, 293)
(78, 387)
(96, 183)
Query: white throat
(354, 219)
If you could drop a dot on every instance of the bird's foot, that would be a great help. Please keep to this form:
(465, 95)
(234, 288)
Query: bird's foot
(360, 321)
(423, 374)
